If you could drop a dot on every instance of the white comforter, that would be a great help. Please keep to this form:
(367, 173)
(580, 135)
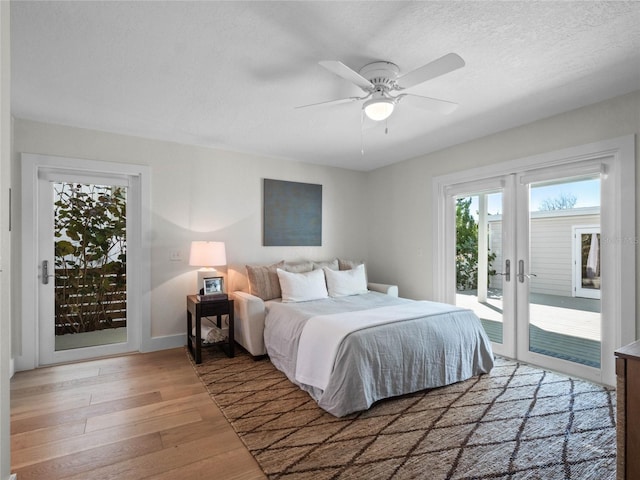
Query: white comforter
(385, 360)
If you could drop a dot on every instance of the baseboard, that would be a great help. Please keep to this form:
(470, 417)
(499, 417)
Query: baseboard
(164, 343)
(12, 369)
(154, 344)
(23, 362)
(13, 476)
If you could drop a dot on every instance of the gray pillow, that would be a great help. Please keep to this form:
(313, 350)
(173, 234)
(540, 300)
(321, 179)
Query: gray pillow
(330, 264)
(263, 280)
(348, 264)
(298, 267)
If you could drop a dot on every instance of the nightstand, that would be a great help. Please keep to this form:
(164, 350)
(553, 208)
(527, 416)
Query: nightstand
(628, 411)
(195, 311)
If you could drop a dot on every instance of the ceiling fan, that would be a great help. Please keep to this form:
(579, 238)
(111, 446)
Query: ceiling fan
(379, 80)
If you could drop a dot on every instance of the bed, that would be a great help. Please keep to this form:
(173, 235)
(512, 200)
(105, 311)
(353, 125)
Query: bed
(353, 349)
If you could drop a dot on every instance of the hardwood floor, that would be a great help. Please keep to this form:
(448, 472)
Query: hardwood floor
(130, 417)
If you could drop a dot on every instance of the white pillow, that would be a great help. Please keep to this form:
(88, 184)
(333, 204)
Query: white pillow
(342, 283)
(301, 287)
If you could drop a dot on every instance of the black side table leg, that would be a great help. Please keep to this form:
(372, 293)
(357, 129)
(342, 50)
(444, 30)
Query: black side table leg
(232, 343)
(198, 348)
(189, 331)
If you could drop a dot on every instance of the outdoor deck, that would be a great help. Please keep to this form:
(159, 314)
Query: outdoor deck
(561, 327)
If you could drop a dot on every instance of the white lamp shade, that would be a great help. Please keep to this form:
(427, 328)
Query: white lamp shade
(207, 254)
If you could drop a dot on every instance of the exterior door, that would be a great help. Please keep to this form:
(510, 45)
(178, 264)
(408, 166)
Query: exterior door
(543, 321)
(82, 244)
(40, 175)
(484, 242)
(517, 271)
(558, 329)
(514, 265)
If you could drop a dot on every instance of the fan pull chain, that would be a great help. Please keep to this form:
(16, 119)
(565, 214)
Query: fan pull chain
(386, 126)
(362, 133)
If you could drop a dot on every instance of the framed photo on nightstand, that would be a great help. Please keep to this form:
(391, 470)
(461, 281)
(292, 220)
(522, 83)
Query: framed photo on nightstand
(213, 285)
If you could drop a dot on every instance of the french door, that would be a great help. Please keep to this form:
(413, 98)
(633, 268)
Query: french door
(515, 265)
(535, 251)
(556, 328)
(484, 248)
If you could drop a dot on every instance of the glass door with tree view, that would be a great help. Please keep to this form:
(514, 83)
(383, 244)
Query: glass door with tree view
(83, 251)
(482, 265)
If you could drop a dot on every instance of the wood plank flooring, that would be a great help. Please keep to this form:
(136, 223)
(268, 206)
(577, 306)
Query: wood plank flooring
(141, 416)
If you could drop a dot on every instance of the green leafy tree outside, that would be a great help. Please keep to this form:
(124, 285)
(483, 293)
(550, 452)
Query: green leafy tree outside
(90, 256)
(467, 247)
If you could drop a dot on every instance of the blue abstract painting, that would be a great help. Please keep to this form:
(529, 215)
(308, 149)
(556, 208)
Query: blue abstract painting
(292, 214)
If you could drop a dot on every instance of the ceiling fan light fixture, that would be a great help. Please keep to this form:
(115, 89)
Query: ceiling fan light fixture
(379, 108)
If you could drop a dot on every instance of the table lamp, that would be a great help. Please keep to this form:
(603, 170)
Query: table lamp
(207, 255)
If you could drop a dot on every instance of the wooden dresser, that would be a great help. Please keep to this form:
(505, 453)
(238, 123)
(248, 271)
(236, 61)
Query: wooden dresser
(628, 411)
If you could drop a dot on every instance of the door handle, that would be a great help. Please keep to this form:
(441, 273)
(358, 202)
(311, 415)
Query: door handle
(507, 273)
(45, 272)
(521, 273)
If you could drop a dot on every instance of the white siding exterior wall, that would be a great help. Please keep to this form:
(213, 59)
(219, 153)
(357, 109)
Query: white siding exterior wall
(551, 248)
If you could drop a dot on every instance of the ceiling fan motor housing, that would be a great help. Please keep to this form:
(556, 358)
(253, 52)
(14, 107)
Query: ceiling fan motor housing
(382, 74)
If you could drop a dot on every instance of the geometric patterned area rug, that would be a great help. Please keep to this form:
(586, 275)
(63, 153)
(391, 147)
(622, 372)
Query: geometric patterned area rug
(518, 422)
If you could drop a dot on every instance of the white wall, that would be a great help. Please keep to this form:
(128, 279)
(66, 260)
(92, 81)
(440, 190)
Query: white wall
(205, 194)
(400, 223)
(5, 243)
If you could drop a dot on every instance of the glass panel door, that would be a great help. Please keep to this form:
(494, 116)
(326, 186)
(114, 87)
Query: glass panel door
(563, 323)
(484, 243)
(479, 259)
(83, 299)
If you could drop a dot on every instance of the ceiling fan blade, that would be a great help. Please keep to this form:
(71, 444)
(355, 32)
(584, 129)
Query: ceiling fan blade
(345, 72)
(442, 65)
(428, 103)
(332, 102)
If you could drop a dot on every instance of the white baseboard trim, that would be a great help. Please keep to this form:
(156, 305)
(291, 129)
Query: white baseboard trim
(22, 363)
(13, 476)
(164, 343)
(12, 368)
(150, 345)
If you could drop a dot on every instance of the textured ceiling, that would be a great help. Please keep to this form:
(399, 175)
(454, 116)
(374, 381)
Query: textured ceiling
(229, 74)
